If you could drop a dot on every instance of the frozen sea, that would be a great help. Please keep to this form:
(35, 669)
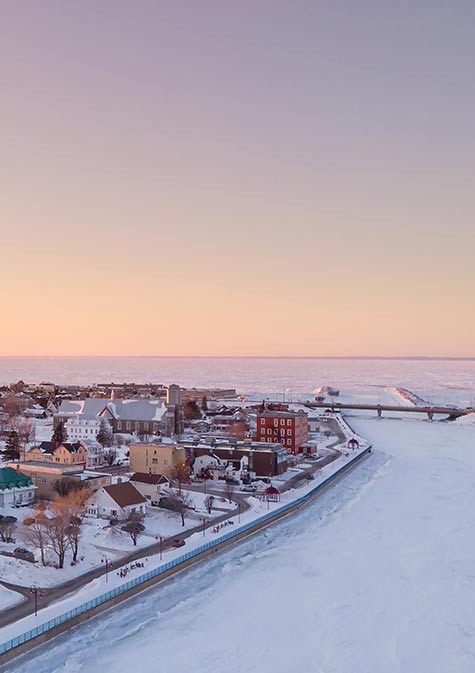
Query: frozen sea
(292, 378)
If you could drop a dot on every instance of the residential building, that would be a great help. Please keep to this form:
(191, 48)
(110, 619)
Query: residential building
(157, 458)
(257, 459)
(16, 488)
(96, 453)
(80, 418)
(150, 485)
(287, 427)
(67, 453)
(44, 476)
(117, 501)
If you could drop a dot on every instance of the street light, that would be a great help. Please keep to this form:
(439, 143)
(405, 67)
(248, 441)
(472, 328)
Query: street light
(37, 594)
(239, 512)
(108, 564)
(204, 526)
(161, 546)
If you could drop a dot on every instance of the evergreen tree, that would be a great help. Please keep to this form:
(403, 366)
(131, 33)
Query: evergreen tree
(191, 410)
(104, 436)
(204, 404)
(59, 435)
(12, 447)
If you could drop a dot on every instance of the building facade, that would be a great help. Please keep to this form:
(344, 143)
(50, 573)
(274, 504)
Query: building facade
(16, 489)
(258, 459)
(286, 427)
(157, 458)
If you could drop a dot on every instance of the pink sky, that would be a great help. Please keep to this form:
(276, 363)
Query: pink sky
(244, 178)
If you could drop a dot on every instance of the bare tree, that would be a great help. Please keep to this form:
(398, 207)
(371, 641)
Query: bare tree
(209, 501)
(229, 491)
(12, 405)
(73, 532)
(74, 507)
(134, 527)
(34, 532)
(181, 502)
(58, 538)
(7, 526)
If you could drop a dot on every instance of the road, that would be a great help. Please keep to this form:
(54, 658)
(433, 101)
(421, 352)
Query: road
(51, 594)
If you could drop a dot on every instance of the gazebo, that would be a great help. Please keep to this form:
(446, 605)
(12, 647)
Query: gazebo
(272, 494)
(353, 443)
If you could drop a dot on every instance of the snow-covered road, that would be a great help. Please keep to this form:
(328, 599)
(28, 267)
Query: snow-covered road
(377, 575)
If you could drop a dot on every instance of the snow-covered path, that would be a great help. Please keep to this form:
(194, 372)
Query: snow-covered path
(377, 575)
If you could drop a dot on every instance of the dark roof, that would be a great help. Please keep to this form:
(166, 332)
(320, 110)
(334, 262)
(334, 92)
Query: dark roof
(49, 447)
(124, 494)
(144, 478)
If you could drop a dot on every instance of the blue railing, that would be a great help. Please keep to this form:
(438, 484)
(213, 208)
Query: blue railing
(123, 588)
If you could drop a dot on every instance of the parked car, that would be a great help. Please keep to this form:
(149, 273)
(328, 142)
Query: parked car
(309, 476)
(24, 554)
(249, 488)
(178, 543)
(231, 480)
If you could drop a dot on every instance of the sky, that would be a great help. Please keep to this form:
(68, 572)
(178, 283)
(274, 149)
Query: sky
(251, 178)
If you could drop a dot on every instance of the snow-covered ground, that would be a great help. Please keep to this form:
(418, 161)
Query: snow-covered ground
(100, 540)
(8, 598)
(376, 575)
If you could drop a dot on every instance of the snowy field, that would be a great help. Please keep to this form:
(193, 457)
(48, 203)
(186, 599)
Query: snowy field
(100, 540)
(377, 575)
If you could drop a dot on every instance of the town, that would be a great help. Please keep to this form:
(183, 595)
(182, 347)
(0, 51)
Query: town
(95, 479)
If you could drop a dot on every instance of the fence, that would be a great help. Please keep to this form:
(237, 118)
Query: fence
(123, 588)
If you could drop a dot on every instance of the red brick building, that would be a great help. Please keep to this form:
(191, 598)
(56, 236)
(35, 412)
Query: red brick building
(287, 427)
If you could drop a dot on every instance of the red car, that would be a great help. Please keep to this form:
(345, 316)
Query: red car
(178, 543)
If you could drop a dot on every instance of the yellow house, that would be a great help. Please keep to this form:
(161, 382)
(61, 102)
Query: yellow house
(156, 458)
(68, 453)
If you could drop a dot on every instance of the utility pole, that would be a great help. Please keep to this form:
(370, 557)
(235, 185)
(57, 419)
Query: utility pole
(37, 594)
(108, 564)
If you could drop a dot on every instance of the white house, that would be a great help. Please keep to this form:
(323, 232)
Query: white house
(95, 453)
(81, 417)
(210, 464)
(16, 489)
(117, 501)
(150, 485)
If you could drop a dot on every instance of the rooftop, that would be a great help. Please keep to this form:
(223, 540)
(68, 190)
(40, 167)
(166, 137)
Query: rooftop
(124, 494)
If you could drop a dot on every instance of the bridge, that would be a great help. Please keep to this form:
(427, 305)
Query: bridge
(451, 412)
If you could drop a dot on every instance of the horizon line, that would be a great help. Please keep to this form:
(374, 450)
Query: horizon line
(253, 357)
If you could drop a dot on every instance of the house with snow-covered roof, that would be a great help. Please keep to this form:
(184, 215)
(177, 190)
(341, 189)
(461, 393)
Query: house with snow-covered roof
(80, 418)
(117, 501)
(142, 416)
(150, 485)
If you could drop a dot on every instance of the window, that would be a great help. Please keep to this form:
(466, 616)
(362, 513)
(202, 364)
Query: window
(269, 431)
(119, 425)
(127, 425)
(276, 421)
(289, 422)
(289, 432)
(263, 420)
(282, 421)
(154, 461)
(289, 442)
(145, 425)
